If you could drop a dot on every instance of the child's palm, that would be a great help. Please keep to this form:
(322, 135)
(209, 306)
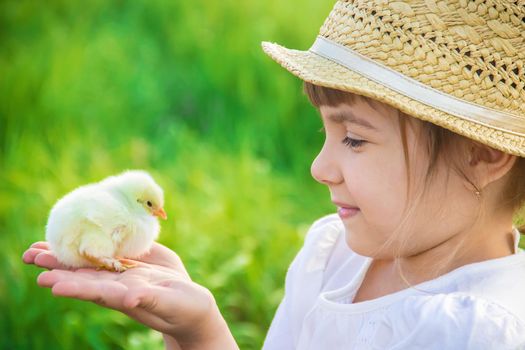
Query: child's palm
(158, 292)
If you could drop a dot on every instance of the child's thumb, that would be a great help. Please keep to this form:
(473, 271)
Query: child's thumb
(144, 297)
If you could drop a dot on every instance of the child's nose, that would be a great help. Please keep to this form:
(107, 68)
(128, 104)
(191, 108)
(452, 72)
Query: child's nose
(325, 170)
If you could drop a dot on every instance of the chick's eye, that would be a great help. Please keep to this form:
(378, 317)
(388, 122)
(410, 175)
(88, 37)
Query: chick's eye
(353, 143)
(149, 203)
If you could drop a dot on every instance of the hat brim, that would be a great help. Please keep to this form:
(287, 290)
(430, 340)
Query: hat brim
(321, 71)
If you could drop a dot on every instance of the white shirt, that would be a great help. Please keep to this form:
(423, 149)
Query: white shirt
(476, 306)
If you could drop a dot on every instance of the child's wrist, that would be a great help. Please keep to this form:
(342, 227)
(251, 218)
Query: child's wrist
(217, 336)
(170, 343)
(211, 333)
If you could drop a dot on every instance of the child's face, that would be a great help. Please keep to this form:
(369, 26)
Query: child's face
(372, 176)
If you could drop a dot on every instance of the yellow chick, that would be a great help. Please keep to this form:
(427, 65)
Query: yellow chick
(98, 224)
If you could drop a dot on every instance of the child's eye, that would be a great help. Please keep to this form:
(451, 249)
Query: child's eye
(353, 143)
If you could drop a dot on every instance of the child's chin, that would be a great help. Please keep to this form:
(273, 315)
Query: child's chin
(359, 244)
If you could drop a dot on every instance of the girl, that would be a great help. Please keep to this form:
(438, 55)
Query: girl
(423, 106)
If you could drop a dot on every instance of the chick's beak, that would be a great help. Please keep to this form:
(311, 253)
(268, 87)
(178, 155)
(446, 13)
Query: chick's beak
(160, 213)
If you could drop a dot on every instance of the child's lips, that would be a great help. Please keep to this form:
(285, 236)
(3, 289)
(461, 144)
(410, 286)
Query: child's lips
(346, 211)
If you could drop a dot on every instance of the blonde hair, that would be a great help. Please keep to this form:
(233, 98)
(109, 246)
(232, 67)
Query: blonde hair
(439, 143)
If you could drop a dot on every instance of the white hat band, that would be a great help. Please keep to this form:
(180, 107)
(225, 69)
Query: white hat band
(415, 89)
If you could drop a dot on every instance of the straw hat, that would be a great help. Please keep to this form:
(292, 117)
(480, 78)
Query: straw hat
(459, 64)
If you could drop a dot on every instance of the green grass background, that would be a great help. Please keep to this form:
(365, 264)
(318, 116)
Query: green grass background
(183, 90)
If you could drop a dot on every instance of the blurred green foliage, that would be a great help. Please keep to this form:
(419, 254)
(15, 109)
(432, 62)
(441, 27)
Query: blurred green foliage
(181, 89)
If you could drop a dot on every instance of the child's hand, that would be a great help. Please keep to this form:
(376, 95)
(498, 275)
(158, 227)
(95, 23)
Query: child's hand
(158, 293)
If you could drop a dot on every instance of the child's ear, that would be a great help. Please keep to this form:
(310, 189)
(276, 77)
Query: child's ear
(490, 164)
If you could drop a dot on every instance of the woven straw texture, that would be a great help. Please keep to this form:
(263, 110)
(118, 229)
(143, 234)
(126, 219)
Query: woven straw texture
(471, 50)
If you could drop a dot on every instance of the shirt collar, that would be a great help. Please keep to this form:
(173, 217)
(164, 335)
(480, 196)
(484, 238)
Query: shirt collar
(517, 236)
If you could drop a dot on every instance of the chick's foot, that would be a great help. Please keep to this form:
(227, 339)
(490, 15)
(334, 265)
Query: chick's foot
(105, 263)
(127, 264)
(111, 264)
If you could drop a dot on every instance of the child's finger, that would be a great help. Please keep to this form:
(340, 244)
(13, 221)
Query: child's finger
(163, 256)
(40, 245)
(106, 293)
(84, 286)
(29, 255)
(184, 300)
(135, 296)
(47, 260)
(154, 301)
(50, 278)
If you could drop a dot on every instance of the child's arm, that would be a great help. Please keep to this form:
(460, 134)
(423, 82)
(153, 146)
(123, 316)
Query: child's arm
(158, 293)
